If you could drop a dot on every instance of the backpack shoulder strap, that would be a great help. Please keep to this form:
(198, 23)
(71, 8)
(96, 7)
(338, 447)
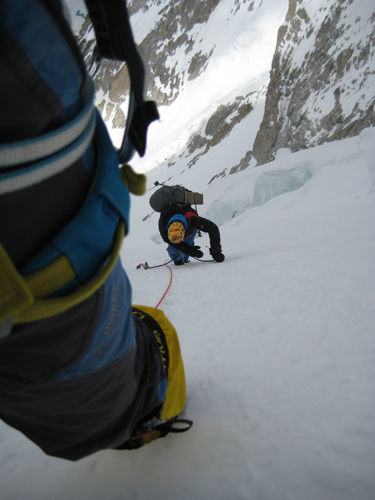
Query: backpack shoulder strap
(190, 213)
(115, 41)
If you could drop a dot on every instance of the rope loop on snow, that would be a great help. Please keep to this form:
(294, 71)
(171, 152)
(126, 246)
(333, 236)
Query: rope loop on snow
(146, 266)
(169, 284)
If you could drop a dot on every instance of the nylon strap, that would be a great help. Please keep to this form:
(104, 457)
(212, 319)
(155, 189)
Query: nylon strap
(15, 295)
(34, 149)
(38, 172)
(22, 297)
(115, 40)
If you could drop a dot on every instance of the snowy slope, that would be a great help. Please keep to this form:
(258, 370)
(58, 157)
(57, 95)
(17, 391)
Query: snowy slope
(278, 343)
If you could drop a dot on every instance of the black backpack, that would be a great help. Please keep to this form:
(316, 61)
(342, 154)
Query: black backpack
(174, 196)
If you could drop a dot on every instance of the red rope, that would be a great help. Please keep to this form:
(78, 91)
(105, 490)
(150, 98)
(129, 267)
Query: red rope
(166, 291)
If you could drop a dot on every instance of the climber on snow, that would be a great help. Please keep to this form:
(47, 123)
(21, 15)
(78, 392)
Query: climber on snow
(179, 228)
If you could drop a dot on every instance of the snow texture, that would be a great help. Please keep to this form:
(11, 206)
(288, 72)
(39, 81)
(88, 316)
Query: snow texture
(278, 343)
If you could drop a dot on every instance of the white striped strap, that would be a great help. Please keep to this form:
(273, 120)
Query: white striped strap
(32, 174)
(18, 153)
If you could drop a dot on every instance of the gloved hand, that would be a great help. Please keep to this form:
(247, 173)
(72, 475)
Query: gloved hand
(217, 254)
(191, 250)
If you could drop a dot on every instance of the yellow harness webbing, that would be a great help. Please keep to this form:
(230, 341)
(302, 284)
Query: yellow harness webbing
(22, 297)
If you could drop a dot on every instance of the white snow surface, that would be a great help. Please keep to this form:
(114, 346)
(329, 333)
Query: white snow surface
(278, 343)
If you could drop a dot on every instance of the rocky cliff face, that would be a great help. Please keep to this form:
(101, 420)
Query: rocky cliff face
(175, 32)
(321, 85)
(321, 77)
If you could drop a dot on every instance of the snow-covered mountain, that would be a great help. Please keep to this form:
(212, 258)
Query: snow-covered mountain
(300, 69)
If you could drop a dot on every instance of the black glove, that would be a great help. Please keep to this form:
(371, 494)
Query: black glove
(217, 254)
(191, 250)
(194, 251)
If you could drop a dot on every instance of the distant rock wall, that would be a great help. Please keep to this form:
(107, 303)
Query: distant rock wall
(173, 33)
(322, 78)
(321, 87)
